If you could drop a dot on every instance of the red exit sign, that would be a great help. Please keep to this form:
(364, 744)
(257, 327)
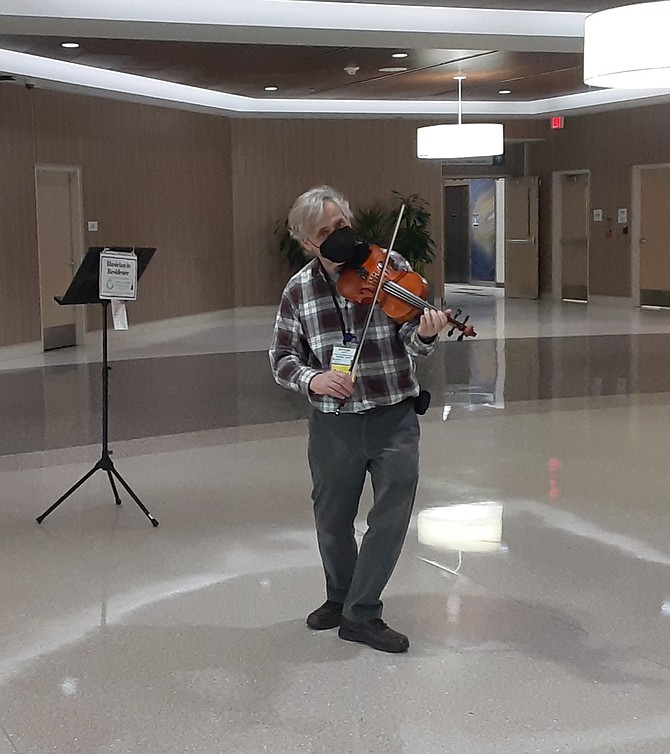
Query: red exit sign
(557, 121)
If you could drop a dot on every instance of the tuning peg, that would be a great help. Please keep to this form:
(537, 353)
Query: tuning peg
(466, 319)
(451, 332)
(460, 337)
(458, 313)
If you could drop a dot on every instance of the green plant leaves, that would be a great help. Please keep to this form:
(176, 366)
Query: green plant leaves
(413, 241)
(375, 224)
(289, 248)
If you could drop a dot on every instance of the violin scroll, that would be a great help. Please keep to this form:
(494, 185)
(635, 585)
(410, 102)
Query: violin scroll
(467, 331)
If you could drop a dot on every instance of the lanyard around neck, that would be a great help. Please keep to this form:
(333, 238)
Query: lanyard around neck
(347, 336)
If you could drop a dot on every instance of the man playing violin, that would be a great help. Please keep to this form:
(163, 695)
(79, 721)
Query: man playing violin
(360, 425)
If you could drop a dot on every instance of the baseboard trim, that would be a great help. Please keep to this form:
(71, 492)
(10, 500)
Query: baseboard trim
(626, 301)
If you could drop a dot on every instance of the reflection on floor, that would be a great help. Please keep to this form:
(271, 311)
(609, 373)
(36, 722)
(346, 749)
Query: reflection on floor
(549, 633)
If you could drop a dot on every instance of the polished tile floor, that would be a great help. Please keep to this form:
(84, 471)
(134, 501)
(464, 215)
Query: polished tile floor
(551, 634)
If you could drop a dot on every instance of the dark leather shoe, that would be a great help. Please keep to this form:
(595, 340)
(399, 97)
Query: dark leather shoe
(326, 616)
(375, 633)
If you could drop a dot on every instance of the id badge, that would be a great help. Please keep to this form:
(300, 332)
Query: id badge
(342, 358)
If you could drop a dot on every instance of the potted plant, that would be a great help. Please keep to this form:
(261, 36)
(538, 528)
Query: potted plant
(414, 241)
(375, 224)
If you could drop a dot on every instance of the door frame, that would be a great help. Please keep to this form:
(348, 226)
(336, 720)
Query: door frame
(453, 182)
(499, 181)
(556, 225)
(636, 225)
(514, 288)
(77, 233)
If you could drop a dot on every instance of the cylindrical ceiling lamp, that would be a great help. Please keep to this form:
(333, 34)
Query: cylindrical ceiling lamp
(458, 140)
(627, 47)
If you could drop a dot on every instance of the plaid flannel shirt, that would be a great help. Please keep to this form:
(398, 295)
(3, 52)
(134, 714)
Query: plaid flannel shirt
(308, 326)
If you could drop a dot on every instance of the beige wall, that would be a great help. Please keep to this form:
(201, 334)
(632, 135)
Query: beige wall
(150, 176)
(275, 160)
(608, 144)
(209, 190)
(166, 178)
(19, 288)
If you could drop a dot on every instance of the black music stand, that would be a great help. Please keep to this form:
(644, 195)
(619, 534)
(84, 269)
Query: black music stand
(84, 289)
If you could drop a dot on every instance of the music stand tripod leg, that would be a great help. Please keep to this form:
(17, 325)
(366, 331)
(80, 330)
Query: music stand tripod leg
(128, 489)
(117, 499)
(105, 463)
(72, 489)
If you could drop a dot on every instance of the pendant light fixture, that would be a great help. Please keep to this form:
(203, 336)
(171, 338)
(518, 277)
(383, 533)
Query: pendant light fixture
(458, 140)
(627, 47)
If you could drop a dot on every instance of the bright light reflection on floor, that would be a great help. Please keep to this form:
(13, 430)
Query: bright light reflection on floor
(468, 527)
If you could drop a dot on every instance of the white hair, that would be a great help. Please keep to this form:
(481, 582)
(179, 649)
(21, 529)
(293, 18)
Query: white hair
(307, 210)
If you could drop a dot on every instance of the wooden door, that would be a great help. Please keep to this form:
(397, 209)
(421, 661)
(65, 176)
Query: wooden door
(654, 232)
(521, 238)
(57, 202)
(574, 237)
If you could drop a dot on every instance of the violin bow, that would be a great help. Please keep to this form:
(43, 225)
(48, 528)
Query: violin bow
(357, 354)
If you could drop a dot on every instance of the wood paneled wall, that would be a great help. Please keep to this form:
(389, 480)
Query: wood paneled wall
(608, 144)
(19, 274)
(276, 160)
(151, 176)
(208, 191)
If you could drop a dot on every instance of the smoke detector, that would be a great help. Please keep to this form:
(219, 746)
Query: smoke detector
(352, 69)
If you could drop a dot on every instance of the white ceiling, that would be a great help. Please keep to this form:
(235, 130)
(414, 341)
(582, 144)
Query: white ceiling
(299, 22)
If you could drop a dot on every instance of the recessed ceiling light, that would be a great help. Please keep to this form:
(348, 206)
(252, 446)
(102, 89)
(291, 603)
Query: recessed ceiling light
(392, 69)
(504, 91)
(399, 55)
(271, 88)
(70, 45)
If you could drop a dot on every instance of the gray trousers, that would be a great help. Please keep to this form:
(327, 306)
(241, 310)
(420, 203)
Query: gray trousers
(342, 449)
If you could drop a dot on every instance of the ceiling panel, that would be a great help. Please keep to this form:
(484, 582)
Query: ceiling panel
(319, 63)
(301, 71)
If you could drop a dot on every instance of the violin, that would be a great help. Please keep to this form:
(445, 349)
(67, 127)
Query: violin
(401, 295)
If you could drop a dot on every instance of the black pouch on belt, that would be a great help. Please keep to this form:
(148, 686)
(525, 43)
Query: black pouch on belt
(422, 402)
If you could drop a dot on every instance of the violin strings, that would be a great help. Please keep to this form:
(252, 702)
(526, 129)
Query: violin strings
(378, 286)
(407, 296)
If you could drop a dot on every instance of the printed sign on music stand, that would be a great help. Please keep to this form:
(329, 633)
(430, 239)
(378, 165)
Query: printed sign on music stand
(118, 275)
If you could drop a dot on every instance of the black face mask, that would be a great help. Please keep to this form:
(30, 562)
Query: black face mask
(344, 246)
